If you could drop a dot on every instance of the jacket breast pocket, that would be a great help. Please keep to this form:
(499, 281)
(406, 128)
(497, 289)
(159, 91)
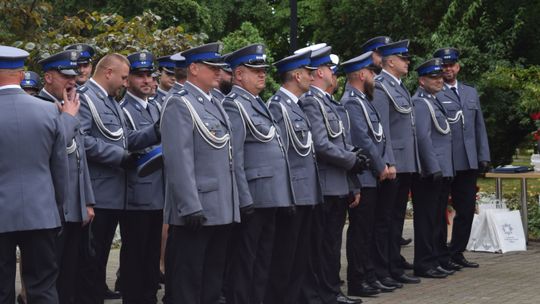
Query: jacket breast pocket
(472, 105)
(373, 117)
(333, 120)
(262, 124)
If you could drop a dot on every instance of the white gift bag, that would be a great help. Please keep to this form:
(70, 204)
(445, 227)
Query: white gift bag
(509, 230)
(482, 237)
(496, 229)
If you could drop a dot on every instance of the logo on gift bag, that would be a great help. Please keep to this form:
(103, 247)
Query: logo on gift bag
(507, 229)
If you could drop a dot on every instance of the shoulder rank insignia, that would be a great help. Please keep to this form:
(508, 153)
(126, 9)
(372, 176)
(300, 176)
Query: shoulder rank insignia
(181, 92)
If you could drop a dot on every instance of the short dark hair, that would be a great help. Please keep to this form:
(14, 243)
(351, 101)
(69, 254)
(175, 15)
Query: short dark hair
(180, 73)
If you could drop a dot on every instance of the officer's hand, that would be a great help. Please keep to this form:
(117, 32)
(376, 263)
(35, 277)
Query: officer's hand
(483, 166)
(91, 215)
(130, 161)
(361, 164)
(355, 200)
(392, 172)
(384, 174)
(195, 220)
(246, 213)
(71, 102)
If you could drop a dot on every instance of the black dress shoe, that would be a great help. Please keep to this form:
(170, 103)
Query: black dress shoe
(407, 279)
(463, 262)
(407, 265)
(111, 295)
(383, 288)
(343, 299)
(445, 271)
(405, 242)
(388, 281)
(452, 266)
(363, 290)
(430, 273)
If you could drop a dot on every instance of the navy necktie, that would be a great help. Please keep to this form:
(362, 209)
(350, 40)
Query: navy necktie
(454, 89)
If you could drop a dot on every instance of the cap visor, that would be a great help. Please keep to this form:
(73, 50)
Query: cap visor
(168, 70)
(257, 66)
(69, 72)
(217, 64)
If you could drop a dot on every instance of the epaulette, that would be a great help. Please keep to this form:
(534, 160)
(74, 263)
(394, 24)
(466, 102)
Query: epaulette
(82, 89)
(182, 92)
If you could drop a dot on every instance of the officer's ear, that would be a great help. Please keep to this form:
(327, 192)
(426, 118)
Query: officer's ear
(457, 67)
(422, 81)
(48, 77)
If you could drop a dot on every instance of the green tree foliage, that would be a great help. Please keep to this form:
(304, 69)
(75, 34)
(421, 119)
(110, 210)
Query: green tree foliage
(110, 33)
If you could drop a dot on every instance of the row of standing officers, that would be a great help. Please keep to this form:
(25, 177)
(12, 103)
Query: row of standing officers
(287, 171)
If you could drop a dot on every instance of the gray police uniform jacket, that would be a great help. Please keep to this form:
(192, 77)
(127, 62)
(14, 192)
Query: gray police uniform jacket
(367, 133)
(158, 98)
(334, 158)
(434, 135)
(198, 161)
(33, 163)
(143, 193)
(262, 168)
(469, 136)
(105, 151)
(296, 134)
(217, 94)
(393, 102)
(177, 87)
(79, 186)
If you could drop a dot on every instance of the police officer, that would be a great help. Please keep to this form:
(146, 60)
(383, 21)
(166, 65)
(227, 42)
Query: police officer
(335, 158)
(225, 82)
(142, 221)
(180, 74)
(263, 176)
(393, 102)
(33, 162)
(292, 242)
(470, 149)
(31, 83)
(85, 61)
(367, 133)
(167, 79)
(109, 145)
(202, 198)
(429, 188)
(60, 86)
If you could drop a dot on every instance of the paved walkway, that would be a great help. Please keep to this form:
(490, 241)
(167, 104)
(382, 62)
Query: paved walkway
(512, 278)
